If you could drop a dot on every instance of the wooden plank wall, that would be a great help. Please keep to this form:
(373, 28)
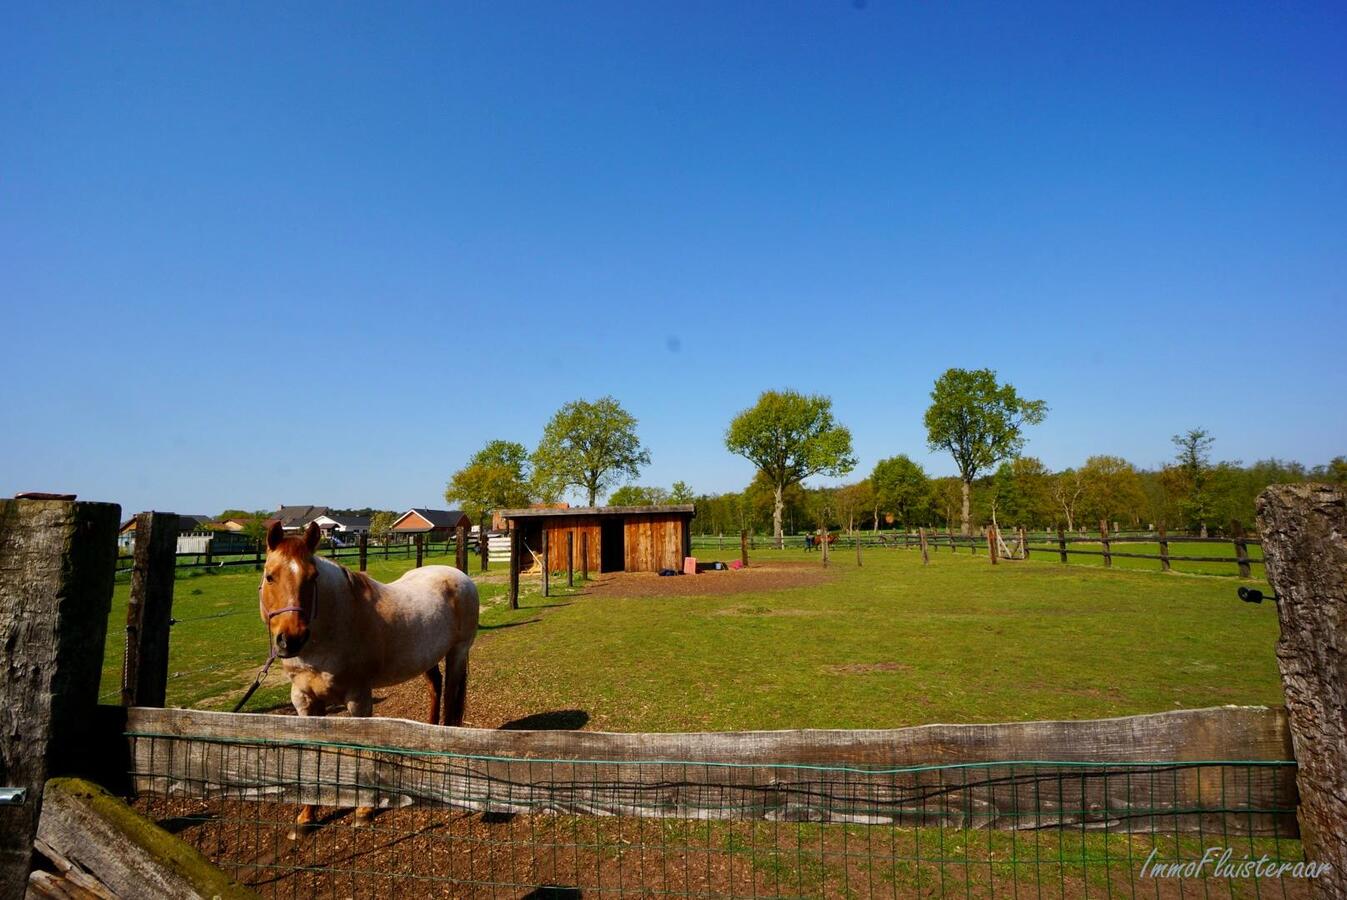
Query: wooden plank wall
(825, 776)
(556, 541)
(654, 542)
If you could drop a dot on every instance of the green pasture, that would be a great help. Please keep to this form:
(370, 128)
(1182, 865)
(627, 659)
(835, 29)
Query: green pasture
(888, 644)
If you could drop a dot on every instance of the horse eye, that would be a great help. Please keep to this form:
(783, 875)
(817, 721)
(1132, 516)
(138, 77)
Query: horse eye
(271, 577)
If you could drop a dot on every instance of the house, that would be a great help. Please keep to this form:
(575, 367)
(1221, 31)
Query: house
(297, 518)
(343, 527)
(437, 524)
(615, 538)
(126, 535)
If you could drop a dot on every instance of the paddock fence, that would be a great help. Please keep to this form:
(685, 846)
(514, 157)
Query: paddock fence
(931, 811)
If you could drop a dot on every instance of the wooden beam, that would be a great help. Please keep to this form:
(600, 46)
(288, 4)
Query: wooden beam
(461, 546)
(484, 541)
(150, 610)
(57, 559)
(783, 775)
(1304, 529)
(88, 827)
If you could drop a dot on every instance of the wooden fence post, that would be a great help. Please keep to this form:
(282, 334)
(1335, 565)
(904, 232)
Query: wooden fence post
(1164, 550)
(418, 542)
(461, 548)
(857, 539)
(925, 555)
(514, 567)
(257, 555)
(1304, 531)
(547, 564)
(991, 544)
(363, 542)
(1103, 539)
(209, 542)
(952, 547)
(149, 610)
(570, 558)
(484, 541)
(1061, 544)
(743, 547)
(824, 546)
(1241, 548)
(57, 561)
(1024, 543)
(584, 556)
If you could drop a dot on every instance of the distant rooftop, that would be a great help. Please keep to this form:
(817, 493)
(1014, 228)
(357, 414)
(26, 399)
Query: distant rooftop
(677, 508)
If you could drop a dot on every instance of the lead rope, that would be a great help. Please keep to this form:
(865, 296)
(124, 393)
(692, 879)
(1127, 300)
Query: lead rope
(257, 682)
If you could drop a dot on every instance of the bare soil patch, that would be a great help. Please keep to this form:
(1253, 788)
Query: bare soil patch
(867, 668)
(774, 576)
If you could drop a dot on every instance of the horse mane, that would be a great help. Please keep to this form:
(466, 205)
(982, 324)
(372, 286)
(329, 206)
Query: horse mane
(362, 586)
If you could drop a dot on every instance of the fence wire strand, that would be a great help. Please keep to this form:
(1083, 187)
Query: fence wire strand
(456, 825)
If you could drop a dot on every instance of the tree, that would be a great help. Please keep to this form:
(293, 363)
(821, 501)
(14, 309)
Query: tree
(1335, 472)
(1193, 466)
(946, 494)
(1022, 492)
(979, 422)
(680, 493)
(496, 477)
(851, 501)
(590, 447)
(1112, 489)
(635, 495)
(790, 436)
(380, 526)
(1067, 487)
(901, 487)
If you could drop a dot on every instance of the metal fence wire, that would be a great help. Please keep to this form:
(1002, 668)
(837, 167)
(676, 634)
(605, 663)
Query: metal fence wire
(459, 825)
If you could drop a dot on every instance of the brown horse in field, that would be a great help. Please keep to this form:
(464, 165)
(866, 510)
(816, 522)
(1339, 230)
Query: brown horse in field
(340, 634)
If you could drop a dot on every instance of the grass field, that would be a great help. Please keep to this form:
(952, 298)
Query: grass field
(891, 643)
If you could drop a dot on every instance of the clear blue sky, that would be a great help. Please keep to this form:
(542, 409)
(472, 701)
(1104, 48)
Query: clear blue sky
(248, 252)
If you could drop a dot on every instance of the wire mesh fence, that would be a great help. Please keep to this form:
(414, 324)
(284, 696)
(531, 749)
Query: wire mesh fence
(453, 825)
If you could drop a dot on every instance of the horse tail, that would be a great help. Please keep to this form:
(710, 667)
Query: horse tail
(455, 686)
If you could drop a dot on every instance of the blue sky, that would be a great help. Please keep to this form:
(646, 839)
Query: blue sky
(250, 252)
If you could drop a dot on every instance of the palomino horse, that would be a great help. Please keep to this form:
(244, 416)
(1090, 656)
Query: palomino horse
(340, 634)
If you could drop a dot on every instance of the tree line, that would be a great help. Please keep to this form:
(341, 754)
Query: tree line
(592, 448)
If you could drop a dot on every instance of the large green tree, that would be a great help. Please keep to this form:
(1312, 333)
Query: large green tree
(1112, 490)
(496, 477)
(903, 488)
(1190, 476)
(636, 495)
(979, 422)
(790, 436)
(588, 446)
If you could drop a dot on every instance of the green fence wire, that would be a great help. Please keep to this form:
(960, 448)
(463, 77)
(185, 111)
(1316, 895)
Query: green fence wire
(456, 825)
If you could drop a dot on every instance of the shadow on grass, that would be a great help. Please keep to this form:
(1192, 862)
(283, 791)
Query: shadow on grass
(556, 720)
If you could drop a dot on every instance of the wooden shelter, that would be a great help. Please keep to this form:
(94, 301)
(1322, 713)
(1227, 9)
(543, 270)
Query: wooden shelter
(616, 538)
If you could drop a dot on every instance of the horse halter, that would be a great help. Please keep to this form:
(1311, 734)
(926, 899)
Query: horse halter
(268, 615)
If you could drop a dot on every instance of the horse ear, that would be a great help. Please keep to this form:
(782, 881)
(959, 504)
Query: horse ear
(275, 534)
(311, 536)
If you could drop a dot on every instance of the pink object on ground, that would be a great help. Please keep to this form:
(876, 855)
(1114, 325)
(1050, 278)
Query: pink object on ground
(689, 565)
(736, 564)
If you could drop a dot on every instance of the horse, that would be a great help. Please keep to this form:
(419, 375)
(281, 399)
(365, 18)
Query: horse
(339, 634)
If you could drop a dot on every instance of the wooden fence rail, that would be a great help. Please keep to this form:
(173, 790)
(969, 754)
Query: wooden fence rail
(1123, 774)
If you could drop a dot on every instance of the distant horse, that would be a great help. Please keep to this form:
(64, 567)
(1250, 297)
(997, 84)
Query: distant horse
(340, 634)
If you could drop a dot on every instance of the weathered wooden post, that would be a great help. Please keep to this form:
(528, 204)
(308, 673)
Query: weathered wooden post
(547, 565)
(1024, 543)
(857, 539)
(1164, 550)
(417, 540)
(743, 547)
(584, 556)
(824, 546)
(57, 560)
(514, 567)
(209, 543)
(149, 610)
(461, 548)
(953, 548)
(991, 544)
(484, 541)
(1304, 531)
(1061, 545)
(363, 542)
(925, 553)
(570, 558)
(257, 555)
(1241, 549)
(1103, 539)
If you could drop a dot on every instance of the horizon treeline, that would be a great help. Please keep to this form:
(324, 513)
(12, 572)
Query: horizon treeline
(1200, 497)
